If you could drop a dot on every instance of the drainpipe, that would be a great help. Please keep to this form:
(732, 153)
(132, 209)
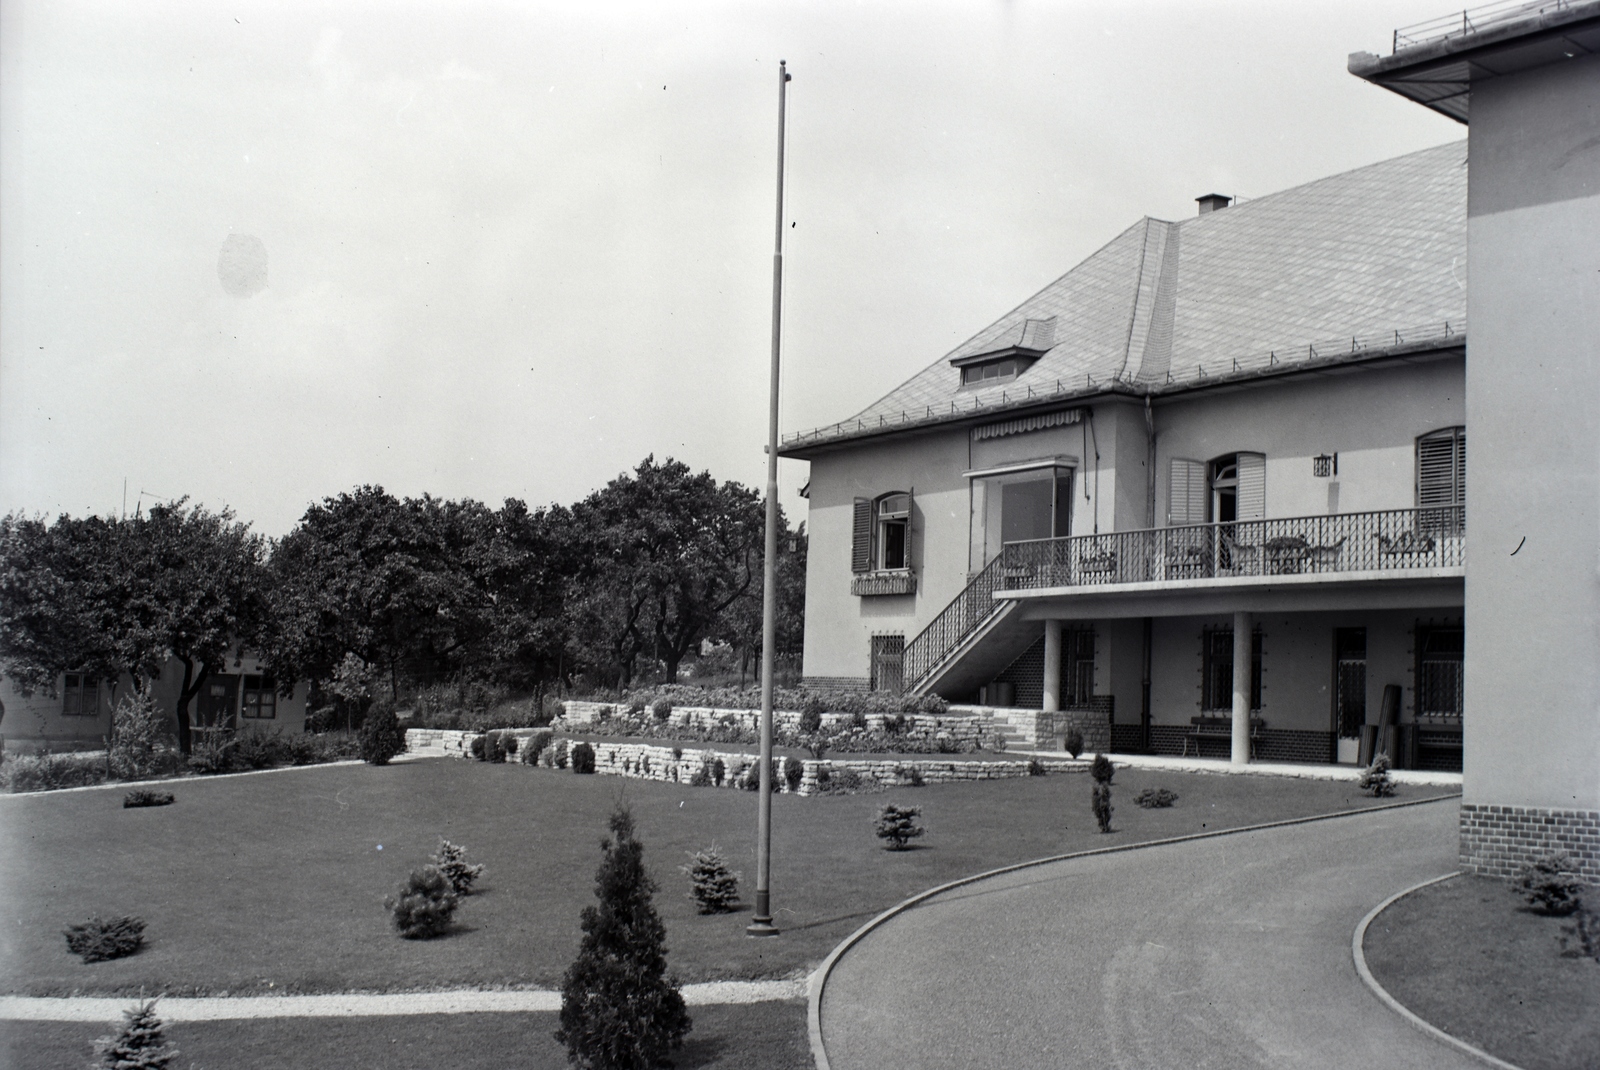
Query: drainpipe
(1144, 704)
(1150, 463)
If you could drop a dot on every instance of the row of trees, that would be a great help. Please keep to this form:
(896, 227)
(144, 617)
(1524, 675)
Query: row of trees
(626, 583)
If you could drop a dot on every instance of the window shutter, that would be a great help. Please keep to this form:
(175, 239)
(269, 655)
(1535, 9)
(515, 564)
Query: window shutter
(911, 525)
(1186, 492)
(1442, 467)
(861, 537)
(1252, 486)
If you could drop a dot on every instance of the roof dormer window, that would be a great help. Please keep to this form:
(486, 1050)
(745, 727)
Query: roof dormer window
(993, 372)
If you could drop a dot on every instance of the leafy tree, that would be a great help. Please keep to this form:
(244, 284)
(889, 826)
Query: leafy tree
(619, 1009)
(403, 585)
(671, 551)
(114, 597)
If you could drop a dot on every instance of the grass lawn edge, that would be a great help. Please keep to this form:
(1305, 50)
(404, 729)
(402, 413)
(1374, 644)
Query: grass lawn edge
(1358, 953)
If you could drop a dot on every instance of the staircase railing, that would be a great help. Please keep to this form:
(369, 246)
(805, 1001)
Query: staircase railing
(965, 614)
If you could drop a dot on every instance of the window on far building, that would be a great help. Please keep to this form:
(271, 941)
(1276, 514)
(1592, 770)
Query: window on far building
(992, 373)
(1216, 670)
(80, 697)
(894, 531)
(260, 698)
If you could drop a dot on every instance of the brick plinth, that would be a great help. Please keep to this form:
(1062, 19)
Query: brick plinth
(1497, 841)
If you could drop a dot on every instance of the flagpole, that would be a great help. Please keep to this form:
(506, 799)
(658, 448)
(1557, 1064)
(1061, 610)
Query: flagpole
(761, 923)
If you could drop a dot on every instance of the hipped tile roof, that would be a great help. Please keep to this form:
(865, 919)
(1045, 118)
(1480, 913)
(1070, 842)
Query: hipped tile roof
(1339, 262)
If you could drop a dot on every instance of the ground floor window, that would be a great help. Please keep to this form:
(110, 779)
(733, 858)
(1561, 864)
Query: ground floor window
(1216, 670)
(1077, 667)
(1350, 680)
(260, 698)
(1439, 671)
(888, 656)
(80, 697)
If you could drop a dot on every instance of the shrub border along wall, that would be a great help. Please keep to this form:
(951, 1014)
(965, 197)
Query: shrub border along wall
(649, 761)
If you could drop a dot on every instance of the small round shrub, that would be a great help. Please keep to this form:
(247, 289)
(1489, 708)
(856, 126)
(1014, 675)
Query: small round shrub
(1102, 770)
(1074, 742)
(793, 772)
(425, 904)
(102, 939)
(479, 748)
(897, 825)
(380, 736)
(535, 746)
(811, 716)
(509, 743)
(933, 703)
(561, 753)
(1375, 779)
(858, 719)
(582, 758)
(914, 776)
(146, 797)
(1550, 883)
(636, 708)
(714, 887)
(894, 723)
(1035, 767)
(661, 709)
(1155, 798)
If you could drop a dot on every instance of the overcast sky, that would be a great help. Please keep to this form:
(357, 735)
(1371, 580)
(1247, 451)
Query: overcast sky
(260, 253)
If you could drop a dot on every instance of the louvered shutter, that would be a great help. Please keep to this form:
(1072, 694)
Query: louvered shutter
(1186, 492)
(861, 537)
(911, 525)
(1252, 486)
(1436, 469)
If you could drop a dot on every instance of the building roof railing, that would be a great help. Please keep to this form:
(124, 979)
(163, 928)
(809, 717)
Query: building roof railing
(1472, 20)
(1299, 357)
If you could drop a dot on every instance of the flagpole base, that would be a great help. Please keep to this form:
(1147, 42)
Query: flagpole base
(761, 923)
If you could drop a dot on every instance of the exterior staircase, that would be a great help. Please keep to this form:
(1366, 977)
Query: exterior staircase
(971, 641)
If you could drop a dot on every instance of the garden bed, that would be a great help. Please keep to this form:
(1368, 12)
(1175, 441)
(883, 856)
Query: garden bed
(1466, 955)
(276, 883)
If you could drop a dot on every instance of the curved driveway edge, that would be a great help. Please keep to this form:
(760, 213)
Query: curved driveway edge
(819, 979)
(1358, 952)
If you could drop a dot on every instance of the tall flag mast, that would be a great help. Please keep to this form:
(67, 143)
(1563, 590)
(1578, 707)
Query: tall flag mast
(761, 923)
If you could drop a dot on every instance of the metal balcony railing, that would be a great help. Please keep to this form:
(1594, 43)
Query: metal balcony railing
(963, 616)
(1383, 541)
(1472, 20)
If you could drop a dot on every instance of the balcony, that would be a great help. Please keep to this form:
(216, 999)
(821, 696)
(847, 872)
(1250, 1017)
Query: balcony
(1388, 541)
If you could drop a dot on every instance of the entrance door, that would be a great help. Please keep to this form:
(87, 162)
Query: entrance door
(1349, 690)
(217, 703)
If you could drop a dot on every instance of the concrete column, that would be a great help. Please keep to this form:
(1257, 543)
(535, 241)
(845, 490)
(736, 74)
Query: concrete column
(1241, 688)
(1052, 666)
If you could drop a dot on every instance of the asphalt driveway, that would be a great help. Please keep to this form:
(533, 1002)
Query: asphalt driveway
(1227, 952)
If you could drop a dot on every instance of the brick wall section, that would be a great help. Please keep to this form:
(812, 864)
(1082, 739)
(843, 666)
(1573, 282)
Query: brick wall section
(1127, 739)
(1497, 841)
(1274, 744)
(1027, 675)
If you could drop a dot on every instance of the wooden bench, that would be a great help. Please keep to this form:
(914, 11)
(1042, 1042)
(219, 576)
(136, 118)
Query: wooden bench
(1218, 728)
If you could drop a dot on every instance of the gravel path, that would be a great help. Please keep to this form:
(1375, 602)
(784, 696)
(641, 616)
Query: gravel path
(460, 1001)
(1227, 952)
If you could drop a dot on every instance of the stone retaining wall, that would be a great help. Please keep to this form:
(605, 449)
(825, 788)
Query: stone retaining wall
(963, 727)
(678, 764)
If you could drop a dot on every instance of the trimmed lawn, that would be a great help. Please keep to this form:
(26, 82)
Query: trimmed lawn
(1469, 957)
(275, 882)
(759, 1036)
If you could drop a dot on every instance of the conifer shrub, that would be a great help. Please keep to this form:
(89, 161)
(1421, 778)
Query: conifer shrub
(932, 703)
(478, 748)
(1155, 798)
(509, 743)
(701, 778)
(714, 887)
(141, 1045)
(142, 743)
(1102, 770)
(582, 758)
(719, 771)
(1550, 884)
(1100, 804)
(1375, 780)
(424, 905)
(1074, 742)
(811, 715)
(897, 825)
(102, 939)
(534, 746)
(146, 797)
(824, 778)
(451, 858)
(619, 1008)
(636, 708)
(793, 772)
(1584, 933)
(858, 720)
(561, 753)
(381, 738)
(1036, 767)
